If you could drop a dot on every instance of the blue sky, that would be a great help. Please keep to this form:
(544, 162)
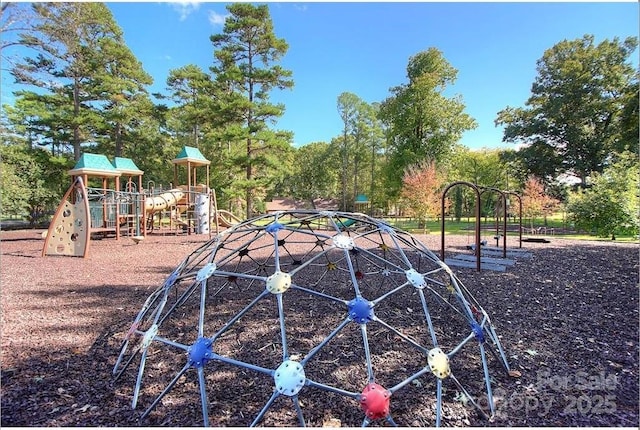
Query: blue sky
(364, 48)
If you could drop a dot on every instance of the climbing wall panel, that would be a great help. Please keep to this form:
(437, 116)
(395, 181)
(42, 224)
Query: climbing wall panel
(69, 230)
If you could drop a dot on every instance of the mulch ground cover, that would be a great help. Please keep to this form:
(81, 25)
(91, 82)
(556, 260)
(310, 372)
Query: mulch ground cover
(567, 317)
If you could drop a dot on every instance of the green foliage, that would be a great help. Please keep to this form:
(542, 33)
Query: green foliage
(13, 201)
(480, 167)
(246, 55)
(580, 108)
(483, 167)
(627, 123)
(90, 87)
(314, 173)
(86, 90)
(538, 159)
(358, 147)
(192, 91)
(34, 117)
(610, 205)
(457, 203)
(422, 123)
(32, 181)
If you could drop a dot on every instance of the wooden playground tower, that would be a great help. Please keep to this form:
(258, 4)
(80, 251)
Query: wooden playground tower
(191, 159)
(85, 210)
(119, 205)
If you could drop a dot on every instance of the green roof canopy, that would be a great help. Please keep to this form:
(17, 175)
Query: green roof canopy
(94, 165)
(192, 155)
(126, 166)
(361, 198)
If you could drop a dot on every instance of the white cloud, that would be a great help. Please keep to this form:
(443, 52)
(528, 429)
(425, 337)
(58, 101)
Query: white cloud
(185, 8)
(217, 19)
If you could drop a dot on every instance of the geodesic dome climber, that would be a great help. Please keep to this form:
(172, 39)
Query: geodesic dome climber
(293, 317)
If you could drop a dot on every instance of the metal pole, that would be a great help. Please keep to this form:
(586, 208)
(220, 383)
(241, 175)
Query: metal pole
(504, 204)
(520, 216)
(504, 225)
(477, 213)
(478, 251)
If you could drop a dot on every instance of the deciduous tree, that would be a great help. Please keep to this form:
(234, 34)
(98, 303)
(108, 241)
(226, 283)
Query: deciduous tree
(32, 181)
(421, 191)
(572, 118)
(423, 123)
(359, 144)
(611, 204)
(535, 201)
(315, 173)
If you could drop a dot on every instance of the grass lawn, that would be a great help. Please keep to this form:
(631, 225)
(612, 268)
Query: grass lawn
(556, 226)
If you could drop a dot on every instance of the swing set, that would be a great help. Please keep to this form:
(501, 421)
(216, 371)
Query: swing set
(479, 190)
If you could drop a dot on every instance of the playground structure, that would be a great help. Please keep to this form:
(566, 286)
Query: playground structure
(125, 209)
(494, 258)
(273, 278)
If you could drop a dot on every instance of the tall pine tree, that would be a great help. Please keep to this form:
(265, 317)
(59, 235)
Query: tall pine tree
(246, 67)
(83, 69)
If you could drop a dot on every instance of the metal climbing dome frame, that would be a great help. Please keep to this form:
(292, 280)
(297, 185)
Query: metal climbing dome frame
(329, 298)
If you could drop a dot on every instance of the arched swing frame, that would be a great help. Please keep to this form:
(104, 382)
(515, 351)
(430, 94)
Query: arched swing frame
(476, 190)
(479, 190)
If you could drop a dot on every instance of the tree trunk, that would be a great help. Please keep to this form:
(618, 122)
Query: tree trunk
(355, 180)
(118, 139)
(249, 176)
(373, 171)
(76, 114)
(345, 165)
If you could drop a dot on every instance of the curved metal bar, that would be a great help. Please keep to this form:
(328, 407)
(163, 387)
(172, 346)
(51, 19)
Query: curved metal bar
(477, 212)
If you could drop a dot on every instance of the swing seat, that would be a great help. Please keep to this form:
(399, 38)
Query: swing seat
(473, 245)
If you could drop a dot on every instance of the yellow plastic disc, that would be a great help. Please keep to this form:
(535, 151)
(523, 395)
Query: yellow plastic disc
(278, 283)
(439, 363)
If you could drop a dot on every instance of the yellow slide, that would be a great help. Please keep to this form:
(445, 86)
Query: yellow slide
(163, 201)
(176, 196)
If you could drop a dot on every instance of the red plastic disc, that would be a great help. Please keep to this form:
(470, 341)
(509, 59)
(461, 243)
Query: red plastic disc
(374, 401)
